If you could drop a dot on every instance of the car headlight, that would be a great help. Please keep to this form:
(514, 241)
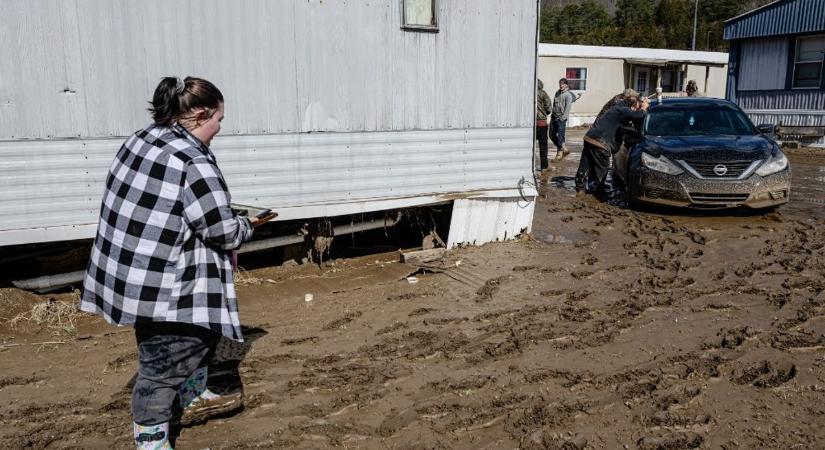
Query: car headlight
(774, 164)
(660, 164)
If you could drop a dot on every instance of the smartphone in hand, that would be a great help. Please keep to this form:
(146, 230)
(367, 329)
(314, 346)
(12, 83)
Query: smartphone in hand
(263, 217)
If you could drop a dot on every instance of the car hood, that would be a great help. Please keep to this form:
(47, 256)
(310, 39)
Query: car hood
(710, 148)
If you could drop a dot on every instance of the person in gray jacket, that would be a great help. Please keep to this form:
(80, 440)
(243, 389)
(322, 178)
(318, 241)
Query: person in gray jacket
(562, 104)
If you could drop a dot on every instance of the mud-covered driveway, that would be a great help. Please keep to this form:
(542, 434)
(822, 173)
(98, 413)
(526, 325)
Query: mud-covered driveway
(609, 329)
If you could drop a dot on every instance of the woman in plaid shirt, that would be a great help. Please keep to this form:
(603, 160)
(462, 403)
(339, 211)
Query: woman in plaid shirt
(161, 257)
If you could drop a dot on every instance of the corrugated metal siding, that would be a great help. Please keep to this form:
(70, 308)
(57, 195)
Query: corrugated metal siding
(763, 64)
(813, 100)
(50, 183)
(786, 118)
(478, 221)
(87, 68)
(785, 17)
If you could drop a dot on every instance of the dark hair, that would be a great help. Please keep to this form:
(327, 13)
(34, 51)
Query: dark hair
(175, 99)
(691, 86)
(563, 81)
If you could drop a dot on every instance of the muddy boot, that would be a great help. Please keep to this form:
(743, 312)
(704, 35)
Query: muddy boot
(564, 151)
(199, 403)
(152, 437)
(559, 155)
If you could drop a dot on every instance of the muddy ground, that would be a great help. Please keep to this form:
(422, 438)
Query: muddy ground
(608, 328)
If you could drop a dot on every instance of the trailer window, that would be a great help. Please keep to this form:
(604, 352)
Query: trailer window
(420, 15)
(576, 78)
(807, 71)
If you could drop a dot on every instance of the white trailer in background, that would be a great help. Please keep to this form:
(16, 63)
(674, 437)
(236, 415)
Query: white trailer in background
(332, 108)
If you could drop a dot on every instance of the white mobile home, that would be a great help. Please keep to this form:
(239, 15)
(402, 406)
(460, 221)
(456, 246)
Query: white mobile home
(600, 72)
(332, 108)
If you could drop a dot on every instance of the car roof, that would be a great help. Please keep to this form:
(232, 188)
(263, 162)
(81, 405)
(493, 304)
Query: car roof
(691, 101)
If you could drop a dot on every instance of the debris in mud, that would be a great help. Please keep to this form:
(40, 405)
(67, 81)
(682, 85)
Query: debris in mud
(524, 268)
(490, 287)
(60, 317)
(299, 341)
(731, 338)
(409, 296)
(785, 340)
(540, 413)
(765, 374)
(18, 381)
(339, 323)
(391, 328)
(469, 383)
(545, 440)
(421, 312)
(676, 419)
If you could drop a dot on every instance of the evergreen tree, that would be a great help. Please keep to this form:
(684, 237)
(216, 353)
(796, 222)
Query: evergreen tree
(636, 22)
(675, 20)
(585, 23)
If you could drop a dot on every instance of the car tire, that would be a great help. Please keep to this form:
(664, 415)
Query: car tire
(632, 191)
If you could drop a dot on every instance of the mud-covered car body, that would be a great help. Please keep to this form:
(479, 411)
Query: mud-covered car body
(702, 153)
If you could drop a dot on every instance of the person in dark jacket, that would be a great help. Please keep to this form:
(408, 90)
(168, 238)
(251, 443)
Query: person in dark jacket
(618, 98)
(543, 107)
(600, 142)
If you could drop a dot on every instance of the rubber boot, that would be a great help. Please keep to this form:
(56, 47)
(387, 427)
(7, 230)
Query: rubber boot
(152, 437)
(199, 403)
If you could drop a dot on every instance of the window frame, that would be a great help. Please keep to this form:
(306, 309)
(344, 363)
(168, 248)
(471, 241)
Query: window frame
(416, 27)
(796, 63)
(583, 69)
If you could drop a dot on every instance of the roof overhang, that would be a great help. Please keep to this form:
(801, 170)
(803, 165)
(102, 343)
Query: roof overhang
(651, 56)
(666, 62)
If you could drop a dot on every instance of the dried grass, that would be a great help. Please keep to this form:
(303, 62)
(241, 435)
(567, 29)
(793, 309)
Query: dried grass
(243, 278)
(59, 317)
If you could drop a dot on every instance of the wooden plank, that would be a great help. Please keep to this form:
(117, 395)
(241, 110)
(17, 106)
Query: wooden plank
(802, 131)
(419, 257)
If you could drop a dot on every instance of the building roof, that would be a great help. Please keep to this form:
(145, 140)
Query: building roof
(657, 56)
(778, 18)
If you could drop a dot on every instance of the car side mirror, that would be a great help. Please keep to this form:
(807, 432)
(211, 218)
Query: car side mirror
(766, 128)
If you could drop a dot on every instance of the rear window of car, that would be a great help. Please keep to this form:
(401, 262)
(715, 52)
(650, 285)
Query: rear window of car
(697, 121)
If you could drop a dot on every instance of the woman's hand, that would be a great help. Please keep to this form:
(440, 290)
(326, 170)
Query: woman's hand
(258, 221)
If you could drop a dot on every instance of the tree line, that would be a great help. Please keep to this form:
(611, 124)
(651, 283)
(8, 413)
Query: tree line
(641, 23)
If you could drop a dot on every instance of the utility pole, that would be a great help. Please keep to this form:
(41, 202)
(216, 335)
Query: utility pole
(695, 17)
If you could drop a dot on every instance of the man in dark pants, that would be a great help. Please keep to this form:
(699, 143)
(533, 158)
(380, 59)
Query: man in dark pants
(543, 106)
(600, 143)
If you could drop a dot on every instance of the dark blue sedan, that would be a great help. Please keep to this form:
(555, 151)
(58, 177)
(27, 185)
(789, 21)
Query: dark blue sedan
(702, 153)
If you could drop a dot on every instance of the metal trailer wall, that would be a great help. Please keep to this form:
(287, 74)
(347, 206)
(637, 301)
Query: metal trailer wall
(760, 87)
(331, 108)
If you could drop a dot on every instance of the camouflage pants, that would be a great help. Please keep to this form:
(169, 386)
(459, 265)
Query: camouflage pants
(167, 354)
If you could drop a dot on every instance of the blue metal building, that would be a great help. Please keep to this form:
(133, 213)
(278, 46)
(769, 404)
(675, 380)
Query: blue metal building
(776, 67)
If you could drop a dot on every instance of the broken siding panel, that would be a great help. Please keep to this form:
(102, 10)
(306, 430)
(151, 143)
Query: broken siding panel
(763, 64)
(479, 221)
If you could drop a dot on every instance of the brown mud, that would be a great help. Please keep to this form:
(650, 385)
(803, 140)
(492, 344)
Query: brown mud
(610, 328)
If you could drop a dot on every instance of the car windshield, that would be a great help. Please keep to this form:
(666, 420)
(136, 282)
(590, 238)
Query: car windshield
(679, 120)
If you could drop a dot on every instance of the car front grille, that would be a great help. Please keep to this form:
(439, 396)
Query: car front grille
(718, 199)
(735, 169)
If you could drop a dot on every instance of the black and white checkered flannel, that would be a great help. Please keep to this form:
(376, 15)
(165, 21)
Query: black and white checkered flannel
(166, 228)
